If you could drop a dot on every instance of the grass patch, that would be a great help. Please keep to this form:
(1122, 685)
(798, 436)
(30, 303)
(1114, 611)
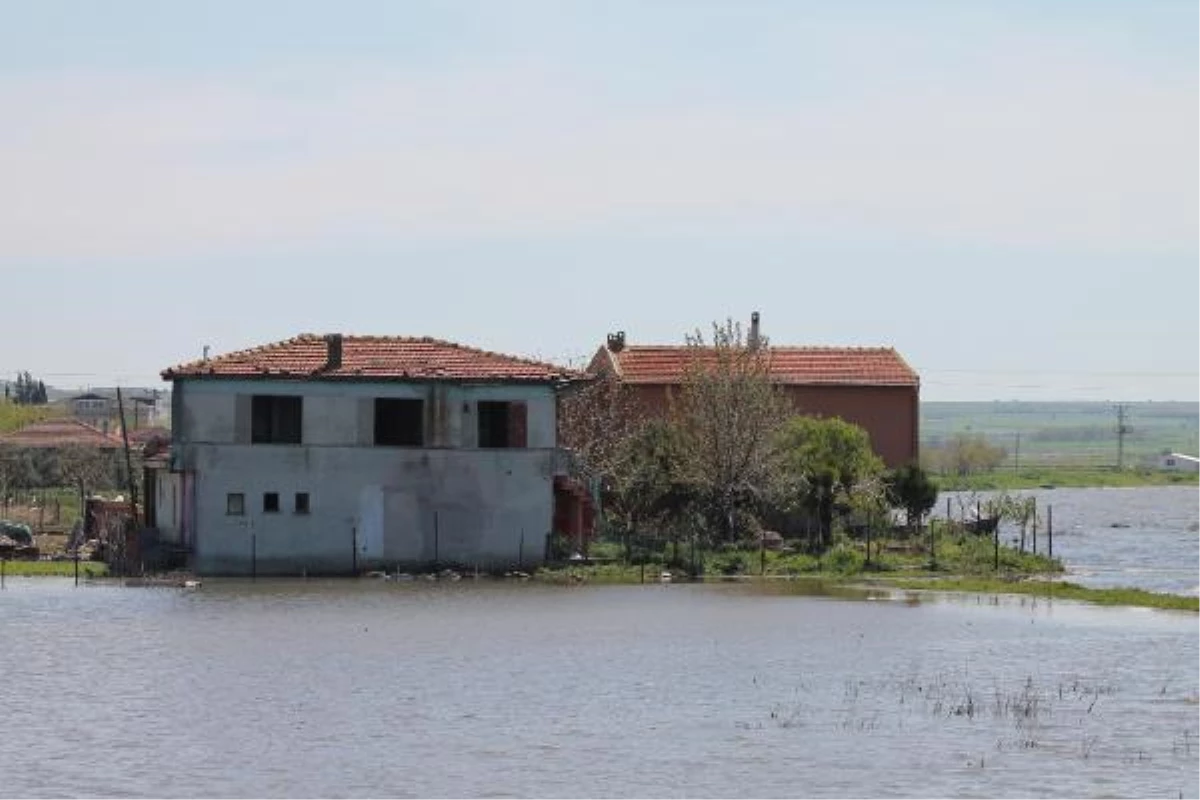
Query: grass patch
(957, 554)
(1051, 590)
(63, 569)
(1063, 477)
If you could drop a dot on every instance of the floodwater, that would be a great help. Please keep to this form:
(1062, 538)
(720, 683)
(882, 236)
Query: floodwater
(377, 688)
(1145, 537)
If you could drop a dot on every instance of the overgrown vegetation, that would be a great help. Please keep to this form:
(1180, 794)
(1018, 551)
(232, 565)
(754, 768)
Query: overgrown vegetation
(14, 416)
(64, 569)
(729, 461)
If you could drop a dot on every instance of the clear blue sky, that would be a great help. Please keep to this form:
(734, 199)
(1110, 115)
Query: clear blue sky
(1004, 191)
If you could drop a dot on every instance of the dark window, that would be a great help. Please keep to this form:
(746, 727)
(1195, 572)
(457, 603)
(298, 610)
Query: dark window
(501, 424)
(235, 504)
(271, 502)
(399, 422)
(301, 502)
(275, 419)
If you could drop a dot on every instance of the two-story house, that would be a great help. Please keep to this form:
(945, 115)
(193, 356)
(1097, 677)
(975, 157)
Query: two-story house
(331, 454)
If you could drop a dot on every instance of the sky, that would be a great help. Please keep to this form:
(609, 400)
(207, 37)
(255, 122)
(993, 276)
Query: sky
(1006, 192)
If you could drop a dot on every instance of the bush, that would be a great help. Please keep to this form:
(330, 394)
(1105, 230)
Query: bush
(731, 563)
(844, 560)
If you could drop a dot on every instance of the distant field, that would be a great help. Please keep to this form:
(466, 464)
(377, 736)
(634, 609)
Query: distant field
(1068, 434)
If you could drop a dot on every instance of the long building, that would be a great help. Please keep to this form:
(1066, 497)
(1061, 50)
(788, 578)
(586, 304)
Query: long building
(872, 387)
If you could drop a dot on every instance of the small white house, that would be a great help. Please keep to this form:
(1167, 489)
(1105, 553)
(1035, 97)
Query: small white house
(332, 454)
(1178, 462)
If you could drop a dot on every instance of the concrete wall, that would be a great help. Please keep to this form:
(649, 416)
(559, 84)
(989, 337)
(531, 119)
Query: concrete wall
(369, 506)
(340, 413)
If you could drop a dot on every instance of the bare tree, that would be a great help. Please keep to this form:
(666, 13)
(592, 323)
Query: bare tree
(729, 413)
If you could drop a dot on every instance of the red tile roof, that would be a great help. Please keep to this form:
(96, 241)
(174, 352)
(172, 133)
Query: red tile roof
(61, 433)
(866, 366)
(372, 358)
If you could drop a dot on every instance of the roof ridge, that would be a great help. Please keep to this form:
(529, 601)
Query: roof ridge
(768, 346)
(258, 359)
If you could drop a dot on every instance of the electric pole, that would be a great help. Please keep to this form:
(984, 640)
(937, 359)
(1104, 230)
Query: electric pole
(1122, 429)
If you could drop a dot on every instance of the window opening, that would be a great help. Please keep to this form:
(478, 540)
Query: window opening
(502, 424)
(399, 422)
(276, 419)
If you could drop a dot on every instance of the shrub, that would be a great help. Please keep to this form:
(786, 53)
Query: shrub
(844, 560)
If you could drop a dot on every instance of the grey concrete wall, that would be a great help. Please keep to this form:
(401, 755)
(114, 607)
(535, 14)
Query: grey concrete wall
(340, 413)
(370, 508)
(449, 502)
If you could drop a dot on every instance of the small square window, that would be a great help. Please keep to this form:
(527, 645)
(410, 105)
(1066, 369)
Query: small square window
(271, 502)
(301, 502)
(235, 504)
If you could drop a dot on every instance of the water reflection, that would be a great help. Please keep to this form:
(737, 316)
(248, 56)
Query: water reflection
(341, 688)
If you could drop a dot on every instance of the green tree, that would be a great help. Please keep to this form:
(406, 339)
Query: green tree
(648, 490)
(910, 488)
(823, 459)
(728, 414)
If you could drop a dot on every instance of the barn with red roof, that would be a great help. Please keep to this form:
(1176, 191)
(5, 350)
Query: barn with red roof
(872, 387)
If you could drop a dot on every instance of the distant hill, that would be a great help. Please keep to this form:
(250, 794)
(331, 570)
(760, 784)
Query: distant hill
(1068, 433)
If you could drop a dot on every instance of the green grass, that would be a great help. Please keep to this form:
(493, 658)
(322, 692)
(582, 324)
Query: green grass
(1054, 590)
(1063, 477)
(65, 569)
(1067, 433)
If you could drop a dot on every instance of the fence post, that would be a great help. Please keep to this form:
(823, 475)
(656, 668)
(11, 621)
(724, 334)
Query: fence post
(1050, 529)
(996, 545)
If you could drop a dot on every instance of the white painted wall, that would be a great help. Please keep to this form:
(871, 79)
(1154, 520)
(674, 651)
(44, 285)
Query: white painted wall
(1178, 462)
(369, 506)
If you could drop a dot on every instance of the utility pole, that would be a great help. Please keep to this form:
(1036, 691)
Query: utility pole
(1122, 429)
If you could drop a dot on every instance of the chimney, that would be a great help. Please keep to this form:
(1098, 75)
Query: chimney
(616, 341)
(333, 346)
(206, 352)
(753, 339)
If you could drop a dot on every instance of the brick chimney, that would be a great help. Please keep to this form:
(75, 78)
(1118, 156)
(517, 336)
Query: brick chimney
(753, 339)
(333, 347)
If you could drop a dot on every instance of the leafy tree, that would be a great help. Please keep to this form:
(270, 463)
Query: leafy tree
(27, 391)
(823, 459)
(910, 488)
(648, 489)
(728, 414)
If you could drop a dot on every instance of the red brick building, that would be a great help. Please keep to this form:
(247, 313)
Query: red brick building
(872, 387)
